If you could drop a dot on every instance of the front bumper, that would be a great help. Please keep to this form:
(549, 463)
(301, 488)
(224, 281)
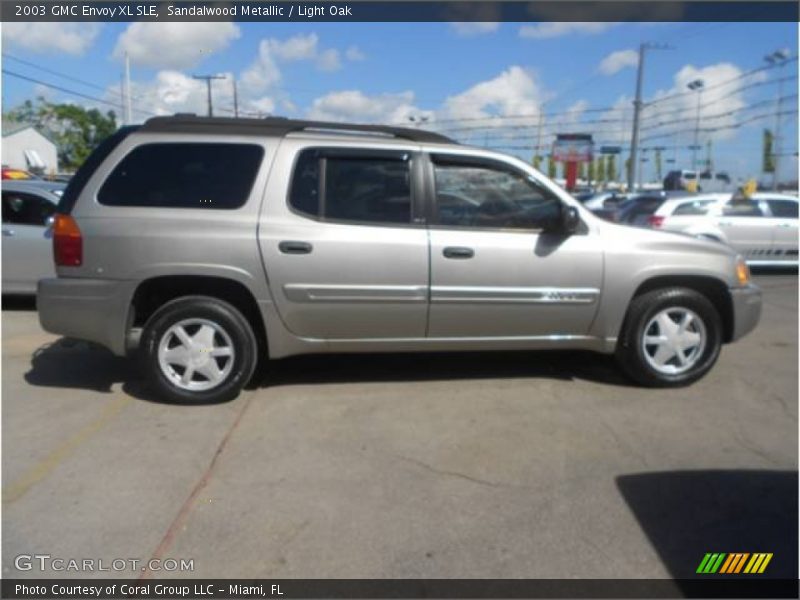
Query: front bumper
(746, 310)
(95, 310)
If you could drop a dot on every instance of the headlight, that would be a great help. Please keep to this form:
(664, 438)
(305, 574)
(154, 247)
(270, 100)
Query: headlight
(742, 271)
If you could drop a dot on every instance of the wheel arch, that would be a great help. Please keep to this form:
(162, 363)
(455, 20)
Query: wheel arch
(714, 289)
(154, 292)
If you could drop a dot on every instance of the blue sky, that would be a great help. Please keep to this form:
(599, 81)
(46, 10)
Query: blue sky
(483, 83)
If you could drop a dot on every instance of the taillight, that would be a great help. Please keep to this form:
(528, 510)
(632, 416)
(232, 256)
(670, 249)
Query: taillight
(655, 221)
(67, 242)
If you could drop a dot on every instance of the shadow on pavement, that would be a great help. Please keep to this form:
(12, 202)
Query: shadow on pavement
(24, 303)
(75, 364)
(686, 514)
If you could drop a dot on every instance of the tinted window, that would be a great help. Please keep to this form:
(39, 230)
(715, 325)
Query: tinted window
(26, 209)
(371, 188)
(473, 194)
(637, 211)
(184, 175)
(742, 208)
(697, 207)
(783, 208)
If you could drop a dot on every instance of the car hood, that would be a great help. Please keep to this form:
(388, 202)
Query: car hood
(663, 241)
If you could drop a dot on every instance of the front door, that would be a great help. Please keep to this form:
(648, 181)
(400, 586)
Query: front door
(348, 262)
(27, 241)
(494, 271)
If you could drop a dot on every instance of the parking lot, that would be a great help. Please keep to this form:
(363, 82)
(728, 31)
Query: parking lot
(472, 465)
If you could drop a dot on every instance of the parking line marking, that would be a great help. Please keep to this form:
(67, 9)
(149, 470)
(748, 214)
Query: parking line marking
(186, 507)
(20, 487)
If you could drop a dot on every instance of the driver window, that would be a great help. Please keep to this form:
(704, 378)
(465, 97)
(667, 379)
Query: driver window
(490, 195)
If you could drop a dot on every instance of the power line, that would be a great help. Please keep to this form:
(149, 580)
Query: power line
(71, 92)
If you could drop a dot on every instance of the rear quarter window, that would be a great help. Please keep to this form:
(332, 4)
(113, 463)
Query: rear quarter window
(184, 175)
(698, 207)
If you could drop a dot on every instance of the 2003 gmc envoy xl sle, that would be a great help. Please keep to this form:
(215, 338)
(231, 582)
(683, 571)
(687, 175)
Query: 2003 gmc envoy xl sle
(205, 244)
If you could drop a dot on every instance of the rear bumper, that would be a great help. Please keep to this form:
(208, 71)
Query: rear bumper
(95, 310)
(746, 310)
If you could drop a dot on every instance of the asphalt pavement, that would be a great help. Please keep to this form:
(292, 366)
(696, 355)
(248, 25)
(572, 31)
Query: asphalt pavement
(478, 465)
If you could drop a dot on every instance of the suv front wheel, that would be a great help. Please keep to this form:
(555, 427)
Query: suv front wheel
(671, 337)
(198, 349)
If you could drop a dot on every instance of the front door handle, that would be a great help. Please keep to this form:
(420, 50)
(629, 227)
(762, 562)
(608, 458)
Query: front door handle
(292, 247)
(458, 252)
(8, 233)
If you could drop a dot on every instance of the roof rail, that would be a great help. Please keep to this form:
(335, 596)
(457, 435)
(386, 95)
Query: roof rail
(280, 127)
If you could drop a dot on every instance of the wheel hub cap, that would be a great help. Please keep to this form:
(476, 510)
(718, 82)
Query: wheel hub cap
(674, 340)
(196, 354)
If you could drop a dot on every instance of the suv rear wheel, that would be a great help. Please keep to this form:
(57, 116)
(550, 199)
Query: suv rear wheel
(671, 337)
(198, 349)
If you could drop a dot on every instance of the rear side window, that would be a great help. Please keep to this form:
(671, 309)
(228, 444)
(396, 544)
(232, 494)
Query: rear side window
(26, 209)
(184, 175)
(373, 187)
(742, 208)
(697, 207)
(786, 209)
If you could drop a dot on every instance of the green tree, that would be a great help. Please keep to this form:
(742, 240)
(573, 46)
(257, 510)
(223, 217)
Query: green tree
(611, 168)
(551, 167)
(75, 130)
(600, 169)
(582, 170)
(537, 162)
(589, 170)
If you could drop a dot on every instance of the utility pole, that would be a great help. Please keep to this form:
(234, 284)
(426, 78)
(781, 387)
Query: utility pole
(128, 108)
(122, 100)
(235, 98)
(539, 132)
(208, 79)
(780, 58)
(637, 109)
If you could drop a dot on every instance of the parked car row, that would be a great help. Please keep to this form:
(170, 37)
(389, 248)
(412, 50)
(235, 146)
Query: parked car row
(763, 228)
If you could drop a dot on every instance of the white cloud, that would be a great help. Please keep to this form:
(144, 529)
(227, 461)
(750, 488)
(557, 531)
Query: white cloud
(513, 92)
(616, 61)
(547, 30)
(174, 45)
(48, 38)
(355, 106)
(671, 114)
(354, 53)
(298, 47)
(474, 28)
(265, 70)
(328, 60)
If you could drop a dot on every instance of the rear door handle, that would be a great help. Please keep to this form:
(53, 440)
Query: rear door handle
(292, 247)
(458, 252)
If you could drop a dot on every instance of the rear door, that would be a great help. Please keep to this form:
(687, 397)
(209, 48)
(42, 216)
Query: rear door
(494, 272)
(746, 228)
(27, 245)
(783, 216)
(346, 252)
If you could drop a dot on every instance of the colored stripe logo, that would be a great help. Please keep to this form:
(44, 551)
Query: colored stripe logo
(734, 563)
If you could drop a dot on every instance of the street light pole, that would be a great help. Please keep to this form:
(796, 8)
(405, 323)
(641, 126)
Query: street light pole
(696, 86)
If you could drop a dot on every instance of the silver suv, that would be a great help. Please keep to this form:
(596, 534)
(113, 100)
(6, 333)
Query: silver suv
(207, 244)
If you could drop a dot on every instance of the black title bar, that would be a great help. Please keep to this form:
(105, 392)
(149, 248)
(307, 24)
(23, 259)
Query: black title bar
(403, 11)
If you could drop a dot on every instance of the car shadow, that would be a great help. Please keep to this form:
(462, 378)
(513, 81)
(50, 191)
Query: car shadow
(82, 365)
(20, 303)
(687, 514)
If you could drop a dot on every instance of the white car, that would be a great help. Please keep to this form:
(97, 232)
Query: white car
(762, 228)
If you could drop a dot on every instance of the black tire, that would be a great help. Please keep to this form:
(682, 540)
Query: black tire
(631, 350)
(224, 316)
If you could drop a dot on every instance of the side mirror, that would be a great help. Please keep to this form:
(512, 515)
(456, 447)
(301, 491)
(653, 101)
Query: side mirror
(570, 220)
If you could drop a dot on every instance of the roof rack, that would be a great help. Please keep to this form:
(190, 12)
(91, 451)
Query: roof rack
(280, 127)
